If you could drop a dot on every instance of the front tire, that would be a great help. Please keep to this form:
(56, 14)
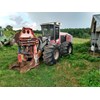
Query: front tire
(66, 48)
(51, 54)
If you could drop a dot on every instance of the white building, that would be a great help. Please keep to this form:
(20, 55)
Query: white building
(95, 33)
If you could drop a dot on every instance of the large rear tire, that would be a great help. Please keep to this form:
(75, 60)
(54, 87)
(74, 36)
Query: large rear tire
(51, 54)
(63, 49)
(66, 48)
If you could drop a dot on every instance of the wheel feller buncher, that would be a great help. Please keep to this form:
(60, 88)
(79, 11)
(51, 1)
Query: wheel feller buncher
(50, 46)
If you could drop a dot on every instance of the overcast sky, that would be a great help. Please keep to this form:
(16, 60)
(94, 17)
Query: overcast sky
(34, 19)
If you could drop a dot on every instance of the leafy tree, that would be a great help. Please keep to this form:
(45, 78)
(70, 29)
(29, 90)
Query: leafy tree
(9, 27)
(8, 30)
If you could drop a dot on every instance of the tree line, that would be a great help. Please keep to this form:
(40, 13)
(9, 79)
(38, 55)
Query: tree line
(78, 32)
(75, 32)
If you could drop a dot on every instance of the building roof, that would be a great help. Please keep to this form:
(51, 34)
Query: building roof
(96, 19)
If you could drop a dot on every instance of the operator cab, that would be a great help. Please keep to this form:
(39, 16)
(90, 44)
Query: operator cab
(51, 30)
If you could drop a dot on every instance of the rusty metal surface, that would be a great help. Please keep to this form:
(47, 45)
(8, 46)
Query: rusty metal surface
(23, 67)
(27, 43)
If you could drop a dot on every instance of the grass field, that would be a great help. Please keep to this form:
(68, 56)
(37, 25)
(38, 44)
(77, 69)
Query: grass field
(79, 69)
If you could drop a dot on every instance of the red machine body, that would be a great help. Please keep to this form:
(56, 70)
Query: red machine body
(28, 55)
(50, 46)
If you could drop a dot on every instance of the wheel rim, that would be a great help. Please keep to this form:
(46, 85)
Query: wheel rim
(56, 54)
(70, 50)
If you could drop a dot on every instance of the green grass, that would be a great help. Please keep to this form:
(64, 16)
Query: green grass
(79, 69)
